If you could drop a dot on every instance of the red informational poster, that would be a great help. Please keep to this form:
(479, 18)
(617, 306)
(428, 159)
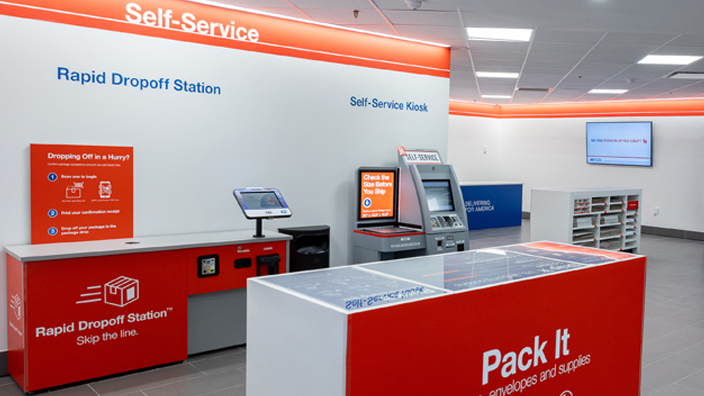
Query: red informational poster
(377, 199)
(81, 193)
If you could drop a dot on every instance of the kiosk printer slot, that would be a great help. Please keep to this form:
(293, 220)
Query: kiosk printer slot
(414, 210)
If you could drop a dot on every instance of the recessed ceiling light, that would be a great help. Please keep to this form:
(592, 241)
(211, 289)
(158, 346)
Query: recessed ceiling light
(497, 75)
(608, 91)
(688, 75)
(496, 96)
(498, 34)
(677, 60)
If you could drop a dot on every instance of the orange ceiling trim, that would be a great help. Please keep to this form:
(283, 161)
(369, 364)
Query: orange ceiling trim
(655, 108)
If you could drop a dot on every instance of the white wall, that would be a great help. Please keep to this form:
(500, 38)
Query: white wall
(280, 122)
(551, 153)
(468, 136)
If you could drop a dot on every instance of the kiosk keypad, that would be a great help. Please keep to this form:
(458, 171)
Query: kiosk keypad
(445, 222)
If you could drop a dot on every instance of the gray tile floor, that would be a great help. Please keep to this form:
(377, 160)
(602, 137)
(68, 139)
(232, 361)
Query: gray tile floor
(673, 349)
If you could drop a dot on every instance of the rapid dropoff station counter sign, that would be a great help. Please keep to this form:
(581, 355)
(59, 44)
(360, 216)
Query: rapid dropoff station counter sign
(85, 310)
(537, 319)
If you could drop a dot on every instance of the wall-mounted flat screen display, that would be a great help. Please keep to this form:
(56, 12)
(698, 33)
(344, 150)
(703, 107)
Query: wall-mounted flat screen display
(620, 143)
(438, 193)
(377, 191)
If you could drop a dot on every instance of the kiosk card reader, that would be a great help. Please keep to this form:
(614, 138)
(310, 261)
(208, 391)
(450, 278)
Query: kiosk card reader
(426, 215)
(259, 203)
(430, 196)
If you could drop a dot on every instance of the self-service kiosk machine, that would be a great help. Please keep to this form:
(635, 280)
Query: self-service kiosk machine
(413, 210)
(430, 195)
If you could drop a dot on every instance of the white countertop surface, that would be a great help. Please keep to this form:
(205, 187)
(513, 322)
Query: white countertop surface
(56, 251)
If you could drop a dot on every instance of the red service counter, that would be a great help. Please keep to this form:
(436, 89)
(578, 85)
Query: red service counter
(534, 319)
(105, 307)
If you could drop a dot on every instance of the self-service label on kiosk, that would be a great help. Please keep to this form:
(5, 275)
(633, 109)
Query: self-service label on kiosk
(208, 265)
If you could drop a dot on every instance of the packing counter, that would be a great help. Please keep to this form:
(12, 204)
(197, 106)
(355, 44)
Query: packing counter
(89, 309)
(533, 319)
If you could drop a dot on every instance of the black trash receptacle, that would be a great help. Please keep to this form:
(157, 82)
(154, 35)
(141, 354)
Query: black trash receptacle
(309, 248)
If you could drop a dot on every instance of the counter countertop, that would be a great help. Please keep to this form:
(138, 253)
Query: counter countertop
(57, 251)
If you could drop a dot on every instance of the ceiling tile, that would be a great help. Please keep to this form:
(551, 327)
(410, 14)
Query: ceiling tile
(332, 4)
(638, 50)
(345, 17)
(538, 81)
(566, 36)
(498, 45)
(426, 6)
(532, 96)
(288, 12)
(539, 47)
(462, 75)
(645, 39)
(481, 54)
(572, 57)
(485, 19)
(600, 69)
(503, 65)
(257, 4)
(613, 57)
(456, 44)
(460, 53)
(383, 29)
(556, 71)
(538, 63)
(691, 89)
(497, 83)
(435, 18)
(649, 72)
(430, 33)
(688, 40)
(681, 50)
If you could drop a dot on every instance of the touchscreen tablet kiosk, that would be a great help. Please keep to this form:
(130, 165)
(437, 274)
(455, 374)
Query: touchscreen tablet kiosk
(262, 203)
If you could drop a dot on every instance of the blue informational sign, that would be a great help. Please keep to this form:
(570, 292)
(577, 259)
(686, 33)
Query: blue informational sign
(493, 206)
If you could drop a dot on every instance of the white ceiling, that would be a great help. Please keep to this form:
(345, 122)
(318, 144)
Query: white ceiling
(578, 45)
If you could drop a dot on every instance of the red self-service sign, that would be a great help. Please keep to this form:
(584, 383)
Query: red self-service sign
(230, 28)
(81, 193)
(569, 334)
(377, 195)
(89, 317)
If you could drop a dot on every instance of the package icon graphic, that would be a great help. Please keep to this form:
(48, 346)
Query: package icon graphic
(74, 191)
(121, 291)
